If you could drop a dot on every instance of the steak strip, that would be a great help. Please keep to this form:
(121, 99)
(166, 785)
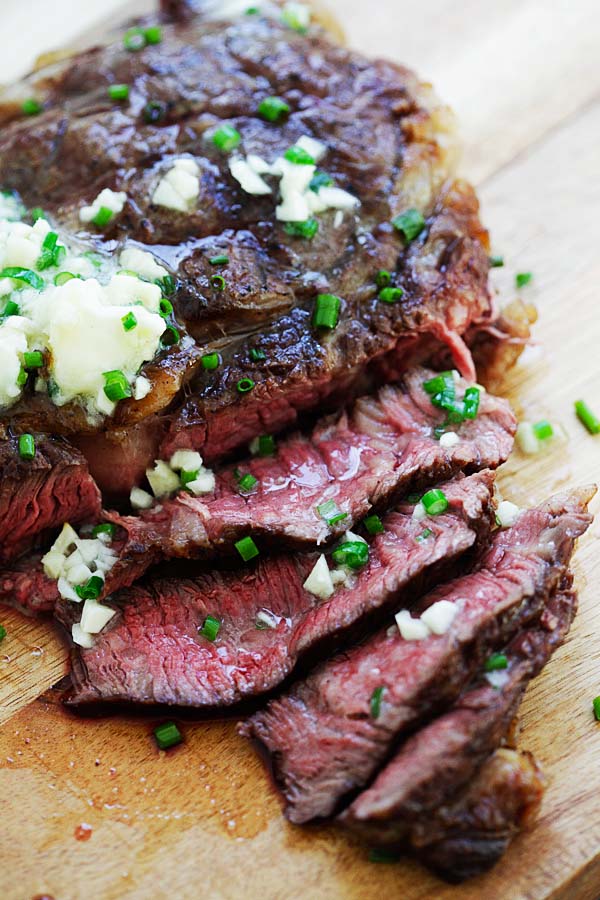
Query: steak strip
(152, 651)
(323, 742)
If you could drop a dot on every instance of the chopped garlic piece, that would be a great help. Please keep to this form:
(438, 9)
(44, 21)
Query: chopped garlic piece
(66, 590)
(163, 479)
(507, 514)
(180, 187)
(203, 484)
(314, 148)
(319, 581)
(81, 637)
(411, 629)
(336, 198)
(419, 512)
(186, 460)
(140, 499)
(439, 616)
(259, 165)
(94, 616)
(526, 439)
(266, 618)
(248, 178)
(113, 200)
(353, 538)
(449, 439)
(141, 388)
(296, 15)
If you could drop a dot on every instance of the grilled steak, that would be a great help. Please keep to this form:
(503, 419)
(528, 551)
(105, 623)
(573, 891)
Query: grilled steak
(433, 766)
(321, 736)
(203, 74)
(37, 495)
(267, 618)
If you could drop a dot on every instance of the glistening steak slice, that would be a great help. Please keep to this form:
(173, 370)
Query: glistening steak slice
(381, 448)
(40, 494)
(24, 586)
(152, 651)
(433, 766)
(322, 737)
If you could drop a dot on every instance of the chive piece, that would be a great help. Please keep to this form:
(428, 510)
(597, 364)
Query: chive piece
(129, 321)
(167, 735)
(383, 856)
(585, 416)
(383, 278)
(92, 589)
(354, 554)
(273, 109)
(31, 107)
(439, 383)
(165, 307)
(33, 359)
(210, 628)
(410, 224)
(247, 549)
(244, 385)
(27, 446)
(595, 702)
(327, 311)
(247, 482)
(306, 229)
(104, 528)
(52, 252)
(27, 276)
(330, 512)
(543, 430)
(374, 525)
(37, 213)
(424, 535)
(299, 156)
(2, 633)
(153, 34)
(266, 445)
(154, 112)
(293, 15)
(390, 294)
(218, 282)
(170, 336)
(523, 278)
(134, 39)
(257, 355)
(186, 477)
(22, 377)
(211, 361)
(116, 386)
(11, 309)
(496, 262)
(496, 661)
(226, 138)
(118, 91)
(221, 260)
(376, 701)
(167, 285)
(319, 180)
(252, 11)
(102, 217)
(471, 400)
(94, 258)
(435, 502)
(63, 277)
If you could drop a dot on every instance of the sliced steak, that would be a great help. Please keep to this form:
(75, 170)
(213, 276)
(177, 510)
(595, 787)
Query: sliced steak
(436, 763)
(24, 586)
(152, 651)
(380, 449)
(322, 739)
(40, 494)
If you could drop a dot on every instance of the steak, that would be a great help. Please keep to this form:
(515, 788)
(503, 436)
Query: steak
(380, 449)
(38, 495)
(322, 739)
(433, 766)
(24, 586)
(207, 72)
(153, 651)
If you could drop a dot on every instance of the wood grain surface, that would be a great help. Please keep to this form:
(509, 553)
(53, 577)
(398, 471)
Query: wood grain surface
(203, 820)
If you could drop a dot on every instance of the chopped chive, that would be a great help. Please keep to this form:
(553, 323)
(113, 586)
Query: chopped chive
(410, 224)
(252, 11)
(31, 107)
(435, 502)
(186, 477)
(523, 278)
(496, 262)
(327, 311)
(52, 252)
(153, 34)
(306, 229)
(266, 445)
(595, 702)
(390, 294)
(22, 378)
(11, 309)
(167, 735)
(103, 217)
(330, 512)
(116, 386)
(376, 701)
(211, 361)
(167, 285)
(33, 359)
(439, 383)
(134, 39)
(424, 535)
(37, 213)
(471, 400)
(218, 282)
(257, 355)
(584, 414)
(247, 482)
(383, 278)
(273, 109)
(104, 528)
(94, 258)
(244, 385)
(221, 260)
(296, 16)
(210, 628)
(63, 277)
(27, 276)
(354, 554)
(129, 321)
(299, 156)
(2, 633)
(27, 446)
(543, 430)
(154, 112)
(226, 138)
(92, 589)
(165, 307)
(319, 180)
(496, 661)
(247, 549)
(118, 91)
(374, 525)
(170, 336)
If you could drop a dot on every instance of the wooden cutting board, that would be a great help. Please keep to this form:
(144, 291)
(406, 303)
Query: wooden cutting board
(90, 808)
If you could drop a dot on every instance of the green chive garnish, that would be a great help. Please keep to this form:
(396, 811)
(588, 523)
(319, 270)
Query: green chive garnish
(496, 661)
(63, 277)
(134, 39)
(11, 309)
(92, 589)
(27, 276)
(116, 386)
(167, 285)
(102, 217)
(118, 91)
(319, 180)
(221, 260)
(435, 502)
(299, 156)
(226, 138)
(330, 512)
(247, 549)
(33, 359)
(211, 361)
(354, 554)
(31, 107)
(390, 294)
(306, 229)
(52, 252)
(410, 224)
(595, 702)
(37, 213)
(257, 355)
(210, 628)
(186, 478)
(470, 401)
(383, 278)
(244, 385)
(167, 735)
(273, 109)
(22, 377)
(27, 446)
(424, 535)
(165, 307)
(496, 262)
(218, 282)
(266, 445)
(154, 112)
(523, 278)
(153, 34)
(376, 701)
(2, 633)
(327, 311)
(584, 414)
(129, 321)
(170, 336)
(543, 430)
(104, 528)
(247, 482)
(374, 525)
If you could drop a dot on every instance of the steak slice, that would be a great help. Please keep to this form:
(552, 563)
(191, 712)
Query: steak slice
(24, 586)
(322, 739)
(152, 652)
(40, 494)
(433, 766)
(380, 449)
